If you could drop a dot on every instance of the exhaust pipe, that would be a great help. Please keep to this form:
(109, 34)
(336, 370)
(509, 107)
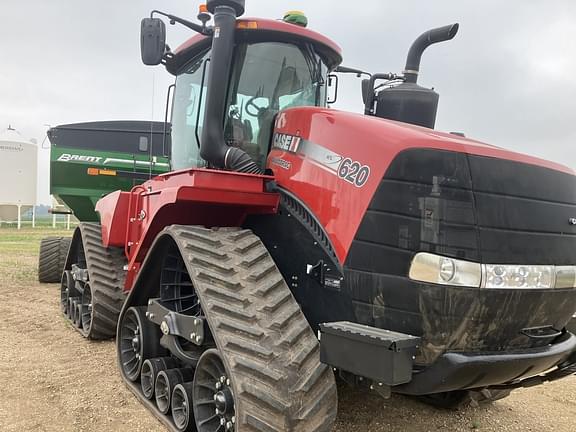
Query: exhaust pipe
(213, 147)
(426, 39)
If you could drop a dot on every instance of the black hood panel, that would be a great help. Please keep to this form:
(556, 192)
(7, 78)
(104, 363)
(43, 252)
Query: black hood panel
(469, 207)
(524, 212)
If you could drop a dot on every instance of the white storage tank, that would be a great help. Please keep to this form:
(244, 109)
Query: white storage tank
(18, 175)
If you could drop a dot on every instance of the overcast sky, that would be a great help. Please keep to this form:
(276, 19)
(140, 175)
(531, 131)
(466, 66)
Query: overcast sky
(507, 79)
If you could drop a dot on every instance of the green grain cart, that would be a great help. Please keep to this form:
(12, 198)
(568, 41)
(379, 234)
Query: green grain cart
(90, 160)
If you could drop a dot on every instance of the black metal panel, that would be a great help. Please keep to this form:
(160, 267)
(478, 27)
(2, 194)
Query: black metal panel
(372, 257)
(457, 319)
(429, 201)
(381, 355)
(403, 197)
(571, 327)
(116, 136)
(521, 247)
(429, 166)
(524, 212)
(425, 203)
(296, 240)
(469, 207)
(457, 371)
(408, 103)
(427, 235)
(510, 178)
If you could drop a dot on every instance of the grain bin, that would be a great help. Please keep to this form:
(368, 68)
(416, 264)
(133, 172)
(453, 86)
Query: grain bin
(18, 175)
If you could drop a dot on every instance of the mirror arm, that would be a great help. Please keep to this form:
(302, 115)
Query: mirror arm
(347, 70)
(168, 54)
(206, 31)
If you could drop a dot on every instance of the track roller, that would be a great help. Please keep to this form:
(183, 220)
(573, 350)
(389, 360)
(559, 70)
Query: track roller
(138, 341)
(86, 309)
(213, 398)
(166, 381)
(72, 302)
(78, 315)
(66, 287)
(182, 412)
(150, 370)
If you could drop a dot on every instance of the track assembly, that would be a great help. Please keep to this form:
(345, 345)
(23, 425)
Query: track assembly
(91, 289)
(236, 352)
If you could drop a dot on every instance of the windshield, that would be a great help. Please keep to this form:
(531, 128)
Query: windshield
(188, 113)
(269, 77)
(266, 78)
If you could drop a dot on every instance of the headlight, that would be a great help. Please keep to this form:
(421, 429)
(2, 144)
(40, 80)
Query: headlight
(441, 270)
(512, 276)
(565, 277)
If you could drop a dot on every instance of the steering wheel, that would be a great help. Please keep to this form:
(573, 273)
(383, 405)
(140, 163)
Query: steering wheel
(253, 109)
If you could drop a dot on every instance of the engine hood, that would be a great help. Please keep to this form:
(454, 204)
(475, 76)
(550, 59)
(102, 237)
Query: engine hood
(341, 165)
(391, 135)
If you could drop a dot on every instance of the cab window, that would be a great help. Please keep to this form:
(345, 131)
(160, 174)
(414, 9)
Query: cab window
(188, 114)
(267, 78)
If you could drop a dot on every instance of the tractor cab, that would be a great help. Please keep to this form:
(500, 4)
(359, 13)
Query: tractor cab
(266, 77)
(272, 66)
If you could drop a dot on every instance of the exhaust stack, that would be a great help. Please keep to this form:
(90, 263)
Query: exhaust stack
(441, 34)
(409, 102)
(213, 147)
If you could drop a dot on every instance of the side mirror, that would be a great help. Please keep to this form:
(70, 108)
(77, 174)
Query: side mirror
(366, 90)
(333, 83)
(152, 41)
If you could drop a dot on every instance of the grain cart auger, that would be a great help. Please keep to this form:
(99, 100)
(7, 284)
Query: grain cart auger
(429, 264)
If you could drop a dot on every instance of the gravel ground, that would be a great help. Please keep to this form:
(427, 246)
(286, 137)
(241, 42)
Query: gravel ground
(54, 380)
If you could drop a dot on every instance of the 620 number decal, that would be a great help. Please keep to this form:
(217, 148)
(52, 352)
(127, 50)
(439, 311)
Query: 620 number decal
(353, 172)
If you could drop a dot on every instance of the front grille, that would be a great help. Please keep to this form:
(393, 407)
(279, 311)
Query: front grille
(468, 207)
(524, 212)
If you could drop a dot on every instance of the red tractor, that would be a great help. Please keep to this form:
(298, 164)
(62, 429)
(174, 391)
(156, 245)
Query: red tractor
(292, 242)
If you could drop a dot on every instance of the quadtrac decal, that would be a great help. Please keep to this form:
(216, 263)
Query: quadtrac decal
(345, 168)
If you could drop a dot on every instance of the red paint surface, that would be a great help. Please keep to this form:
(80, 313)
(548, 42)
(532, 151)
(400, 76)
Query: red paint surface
(191, 197)
(113, 210)
(340, 206)
(275, 26)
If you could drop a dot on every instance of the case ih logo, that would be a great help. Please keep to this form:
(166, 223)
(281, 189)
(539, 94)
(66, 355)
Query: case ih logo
(78, 158)
(345, 168)
(287, 142)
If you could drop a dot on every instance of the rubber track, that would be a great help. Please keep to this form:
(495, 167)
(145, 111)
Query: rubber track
(52, 258)
(267, 345)
(106, 275)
